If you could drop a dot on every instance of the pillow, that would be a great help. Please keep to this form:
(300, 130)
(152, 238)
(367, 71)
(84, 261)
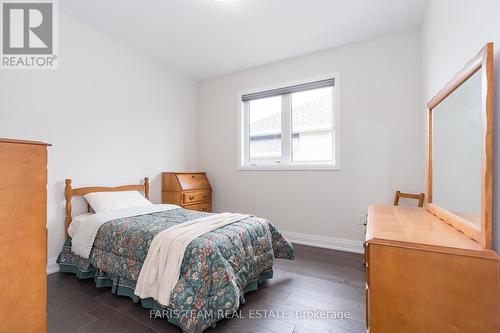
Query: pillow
(107, 201)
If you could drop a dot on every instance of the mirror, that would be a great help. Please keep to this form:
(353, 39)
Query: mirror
(460, 150)
(456, 151)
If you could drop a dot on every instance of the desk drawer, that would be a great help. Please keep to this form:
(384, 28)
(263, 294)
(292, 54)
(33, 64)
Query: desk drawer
(201, 207)
(192, 197)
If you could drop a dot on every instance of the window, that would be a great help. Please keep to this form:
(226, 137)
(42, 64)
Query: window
(291, 127)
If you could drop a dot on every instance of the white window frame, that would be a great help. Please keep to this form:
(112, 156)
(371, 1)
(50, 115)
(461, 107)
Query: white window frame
(286, 123)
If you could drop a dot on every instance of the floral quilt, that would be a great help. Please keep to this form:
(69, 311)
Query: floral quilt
(217, 267)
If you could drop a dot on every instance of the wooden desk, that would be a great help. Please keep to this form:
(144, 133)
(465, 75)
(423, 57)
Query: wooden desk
(190, 190)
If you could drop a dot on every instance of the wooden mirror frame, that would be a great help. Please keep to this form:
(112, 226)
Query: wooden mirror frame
(484, 61)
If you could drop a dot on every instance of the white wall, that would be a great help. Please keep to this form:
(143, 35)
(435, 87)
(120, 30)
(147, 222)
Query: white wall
(112, 115)
(453, 31)
(382, 139)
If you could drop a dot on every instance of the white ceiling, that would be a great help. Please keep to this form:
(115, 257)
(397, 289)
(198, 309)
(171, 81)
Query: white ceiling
(206, 38)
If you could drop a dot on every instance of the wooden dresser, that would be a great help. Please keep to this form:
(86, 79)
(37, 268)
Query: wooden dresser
(422, 275)
(23, 236)
(190, 190)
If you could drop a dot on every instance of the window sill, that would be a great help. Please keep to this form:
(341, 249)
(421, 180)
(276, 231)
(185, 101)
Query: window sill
(296, 167)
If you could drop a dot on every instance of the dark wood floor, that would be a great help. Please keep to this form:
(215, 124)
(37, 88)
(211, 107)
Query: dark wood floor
(318, 279)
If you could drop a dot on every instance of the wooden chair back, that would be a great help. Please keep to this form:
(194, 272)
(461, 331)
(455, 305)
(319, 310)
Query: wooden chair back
(419, 197)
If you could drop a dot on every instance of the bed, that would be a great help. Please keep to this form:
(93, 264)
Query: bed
(217, 268)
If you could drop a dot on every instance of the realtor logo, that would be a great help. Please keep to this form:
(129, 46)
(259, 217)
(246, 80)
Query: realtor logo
(28, 34)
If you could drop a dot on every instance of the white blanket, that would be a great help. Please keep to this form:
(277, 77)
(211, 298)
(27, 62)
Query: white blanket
(83, 230)
(161, 269)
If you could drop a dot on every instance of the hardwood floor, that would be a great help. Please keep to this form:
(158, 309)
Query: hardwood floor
(318, 279)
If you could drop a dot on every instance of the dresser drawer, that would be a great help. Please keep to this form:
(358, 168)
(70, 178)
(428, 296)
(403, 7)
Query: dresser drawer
(366, 261)
(367, 307)
(201, 207)
(191, 197)
(193, 181)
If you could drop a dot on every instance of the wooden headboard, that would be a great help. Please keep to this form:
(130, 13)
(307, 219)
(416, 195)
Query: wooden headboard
(70, 192)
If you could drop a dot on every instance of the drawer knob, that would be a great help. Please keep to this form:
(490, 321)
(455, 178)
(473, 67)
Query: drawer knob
(192, 177)
(204, 196)
(191, 198)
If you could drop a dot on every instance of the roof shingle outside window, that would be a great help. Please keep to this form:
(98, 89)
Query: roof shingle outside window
(306, 117)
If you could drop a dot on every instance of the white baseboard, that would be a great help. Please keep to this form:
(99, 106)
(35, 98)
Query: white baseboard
(52, 266)
(340, 244)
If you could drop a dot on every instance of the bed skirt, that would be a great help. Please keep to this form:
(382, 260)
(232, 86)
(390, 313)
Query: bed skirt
(123, 287)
